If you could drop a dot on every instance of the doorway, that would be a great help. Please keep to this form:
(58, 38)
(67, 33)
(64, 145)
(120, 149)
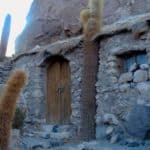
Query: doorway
(58, 104)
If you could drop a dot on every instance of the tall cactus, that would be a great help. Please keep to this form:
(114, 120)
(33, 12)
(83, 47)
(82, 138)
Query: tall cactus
(8, 101)
(5, 36)
(91, 21)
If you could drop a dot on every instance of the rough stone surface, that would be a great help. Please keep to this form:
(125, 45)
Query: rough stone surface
(114, 139)
(35, 88)
(144, 88)
(120, 96)
(138, 123)
(124, 87)
(14, 140)
(140, 75)
(126, 77)
(110, 119)
(109, 130)
(49, 21)
(133, 67)
(116, 101)
(144, 66)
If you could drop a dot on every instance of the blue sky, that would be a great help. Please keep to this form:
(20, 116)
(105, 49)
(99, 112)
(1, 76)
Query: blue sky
(18, 9)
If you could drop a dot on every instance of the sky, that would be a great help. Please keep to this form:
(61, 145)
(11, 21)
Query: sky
(18, 9)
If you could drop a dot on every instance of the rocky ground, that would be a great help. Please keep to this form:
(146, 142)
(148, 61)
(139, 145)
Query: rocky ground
(53, 137)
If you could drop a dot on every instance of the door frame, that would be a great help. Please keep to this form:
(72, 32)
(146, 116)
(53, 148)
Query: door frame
(49, 62)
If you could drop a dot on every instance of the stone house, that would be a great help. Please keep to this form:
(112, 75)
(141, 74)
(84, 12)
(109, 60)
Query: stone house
(53, 93)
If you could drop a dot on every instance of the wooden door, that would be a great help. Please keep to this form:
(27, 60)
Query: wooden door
(58, 92)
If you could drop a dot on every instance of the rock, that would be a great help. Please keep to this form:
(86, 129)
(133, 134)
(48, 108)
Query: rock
(133, 67)
(47, 128)
(109, 130)
(144, 88)
(113, 72)
(100, 132)
(37, 93)
(140, 75)
(37, 147)
(55, 143)
(55, 129)
(114, 139)
(14, 140)
(99, 120)
(60, 136)
(132, 143)
(65, 128)
(112, 59)
(45, 135)
(35, 143)
(124, 87)
(126, 77)
(144, 66)
(112, 64)
(114, 79)
(110, 119)
(138, 122)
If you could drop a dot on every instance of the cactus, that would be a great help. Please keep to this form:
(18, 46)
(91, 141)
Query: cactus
(8, 101)
(91, 18)
(91, 21)
(5, 36)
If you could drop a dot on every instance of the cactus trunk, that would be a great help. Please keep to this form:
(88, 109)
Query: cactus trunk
(88, 106)
(5, 36)
(8, 101)
(91, 21)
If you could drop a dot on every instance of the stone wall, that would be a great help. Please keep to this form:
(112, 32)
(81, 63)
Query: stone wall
(33, 97)
(5, 69)
(120, 93)
(122, 97)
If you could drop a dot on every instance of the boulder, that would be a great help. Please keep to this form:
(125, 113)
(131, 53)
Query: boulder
(140, 76)
(138, 122)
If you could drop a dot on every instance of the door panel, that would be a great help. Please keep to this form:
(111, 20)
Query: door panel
(58, 92)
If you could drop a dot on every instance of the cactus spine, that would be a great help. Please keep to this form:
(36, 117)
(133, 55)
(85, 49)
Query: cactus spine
(8, 101)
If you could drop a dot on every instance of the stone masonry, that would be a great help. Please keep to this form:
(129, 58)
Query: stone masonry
(122, 97)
